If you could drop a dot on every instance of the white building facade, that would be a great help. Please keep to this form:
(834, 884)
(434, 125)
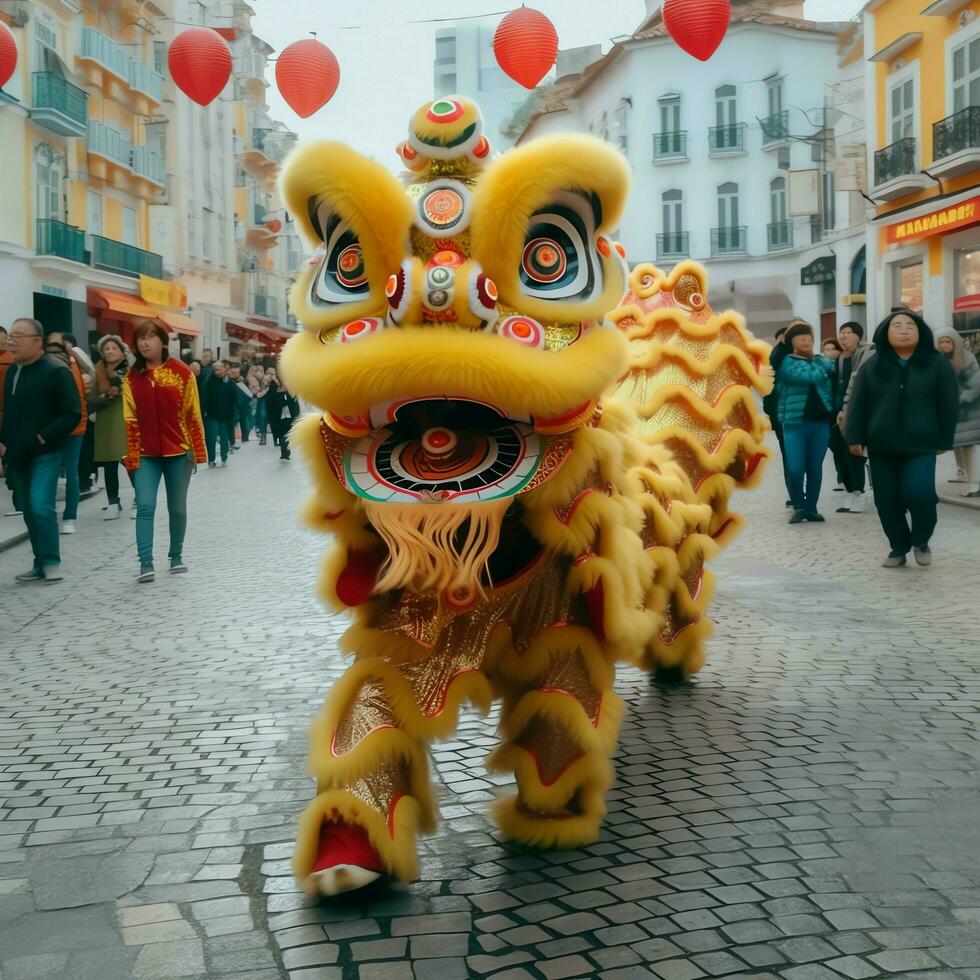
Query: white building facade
(712, 147)
(465, 65)
(194, 230)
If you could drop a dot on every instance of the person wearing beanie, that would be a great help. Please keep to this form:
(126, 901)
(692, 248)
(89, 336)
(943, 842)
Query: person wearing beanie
(770, 402)
(904, 410)
(964, 364)
(851, 468)
(806, 383)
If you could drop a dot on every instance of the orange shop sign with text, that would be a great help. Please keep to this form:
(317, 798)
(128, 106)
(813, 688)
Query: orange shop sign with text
(162, 292)
(936, 223)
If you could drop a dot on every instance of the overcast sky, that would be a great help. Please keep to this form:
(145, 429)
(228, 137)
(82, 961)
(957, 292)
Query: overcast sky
(386, 61)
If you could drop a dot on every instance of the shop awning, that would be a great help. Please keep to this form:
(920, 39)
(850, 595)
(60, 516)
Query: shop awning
(967, 304)
(181, 324)
(256, 330)
(272, 331)
(120, 306)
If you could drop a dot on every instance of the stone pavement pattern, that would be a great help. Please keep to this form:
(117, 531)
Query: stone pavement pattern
(810, 809)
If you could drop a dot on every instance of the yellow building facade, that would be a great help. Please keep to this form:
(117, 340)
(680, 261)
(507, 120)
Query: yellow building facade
(922, 82)
(117, 198)
(85, 158)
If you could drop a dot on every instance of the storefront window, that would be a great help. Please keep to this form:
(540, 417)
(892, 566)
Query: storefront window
(966, 315)
(968, 272)
(907, 288)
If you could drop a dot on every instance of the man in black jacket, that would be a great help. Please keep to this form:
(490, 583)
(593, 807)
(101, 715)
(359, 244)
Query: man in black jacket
(41, 408)
(219, 413)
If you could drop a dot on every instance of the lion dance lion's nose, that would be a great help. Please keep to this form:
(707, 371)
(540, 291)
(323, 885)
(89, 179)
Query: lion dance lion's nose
(447, 288)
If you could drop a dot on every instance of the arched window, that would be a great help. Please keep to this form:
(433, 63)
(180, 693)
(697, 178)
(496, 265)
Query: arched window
(672, 206)
(49, 175)
(779, 227)
(726, 109)
(777, 199)
(728, 205)
(859, 272)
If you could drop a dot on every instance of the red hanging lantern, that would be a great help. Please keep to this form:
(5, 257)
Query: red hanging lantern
(307, 74)
(525, 46)
(8, 54)
(697, 26)
(200, 63)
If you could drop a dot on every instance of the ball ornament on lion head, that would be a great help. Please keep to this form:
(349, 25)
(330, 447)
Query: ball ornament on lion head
(523, 452)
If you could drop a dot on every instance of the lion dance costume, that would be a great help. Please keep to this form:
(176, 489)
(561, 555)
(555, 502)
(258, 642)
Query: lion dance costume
(522, 468)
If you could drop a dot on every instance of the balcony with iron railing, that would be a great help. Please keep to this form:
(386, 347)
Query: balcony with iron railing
(730, 240)
(674, 245)
(145, 163)
(128, 260)
(65, 241)
(775, 128)
(895, 160)
(112, 57)
(145, 80)
(106, 53)
(56, 238)
(897, 171)
(956, 143)
(104, 141)
(264, 305)
(58, 105)
(779, 235)
(726, 140)
(670, 147)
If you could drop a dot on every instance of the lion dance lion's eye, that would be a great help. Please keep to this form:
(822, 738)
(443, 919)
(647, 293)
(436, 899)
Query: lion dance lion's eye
(560, 260)
(342, 277)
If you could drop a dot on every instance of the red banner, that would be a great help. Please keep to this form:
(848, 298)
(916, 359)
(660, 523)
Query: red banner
(936, 223)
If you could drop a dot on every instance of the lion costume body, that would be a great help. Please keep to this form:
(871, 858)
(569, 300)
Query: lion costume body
(522, 486)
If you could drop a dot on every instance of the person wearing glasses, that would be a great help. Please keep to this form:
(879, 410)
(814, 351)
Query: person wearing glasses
(41, 409)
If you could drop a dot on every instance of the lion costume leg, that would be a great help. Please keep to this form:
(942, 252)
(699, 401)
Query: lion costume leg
(367, 752)
(560, 718)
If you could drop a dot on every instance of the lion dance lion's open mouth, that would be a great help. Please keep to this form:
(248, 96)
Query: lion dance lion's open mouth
(524, 453)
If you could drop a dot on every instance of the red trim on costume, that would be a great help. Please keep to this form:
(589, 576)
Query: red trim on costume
(333, 739)
(595, 600)
(537, 765)
(445, 691)
(566, 520)
(723, 528)
(391, 814)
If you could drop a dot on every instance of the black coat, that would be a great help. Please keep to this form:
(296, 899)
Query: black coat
(274, 402)
(896, 411)
(45, 404)
(219, 399)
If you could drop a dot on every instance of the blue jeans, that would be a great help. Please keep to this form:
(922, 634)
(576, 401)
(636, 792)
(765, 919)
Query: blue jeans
(36, 487)
(261, 422)
(221, 432)
(175, 471)
(905, 485)
(806, 446)
(70, 453)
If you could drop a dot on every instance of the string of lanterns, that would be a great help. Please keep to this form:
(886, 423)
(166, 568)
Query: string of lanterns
(307, 72)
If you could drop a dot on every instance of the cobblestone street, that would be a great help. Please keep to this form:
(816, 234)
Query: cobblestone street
(809, 809)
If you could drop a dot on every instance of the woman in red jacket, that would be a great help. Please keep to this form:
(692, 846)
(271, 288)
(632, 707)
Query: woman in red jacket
(164, 440)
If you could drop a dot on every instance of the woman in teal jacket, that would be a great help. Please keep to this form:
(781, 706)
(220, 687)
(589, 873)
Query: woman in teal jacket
(805, 383)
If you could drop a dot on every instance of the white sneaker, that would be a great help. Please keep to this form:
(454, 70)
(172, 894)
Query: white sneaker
(858, 504)
(845, 506)
(113, 512)
(67, 527)
(53, 573)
